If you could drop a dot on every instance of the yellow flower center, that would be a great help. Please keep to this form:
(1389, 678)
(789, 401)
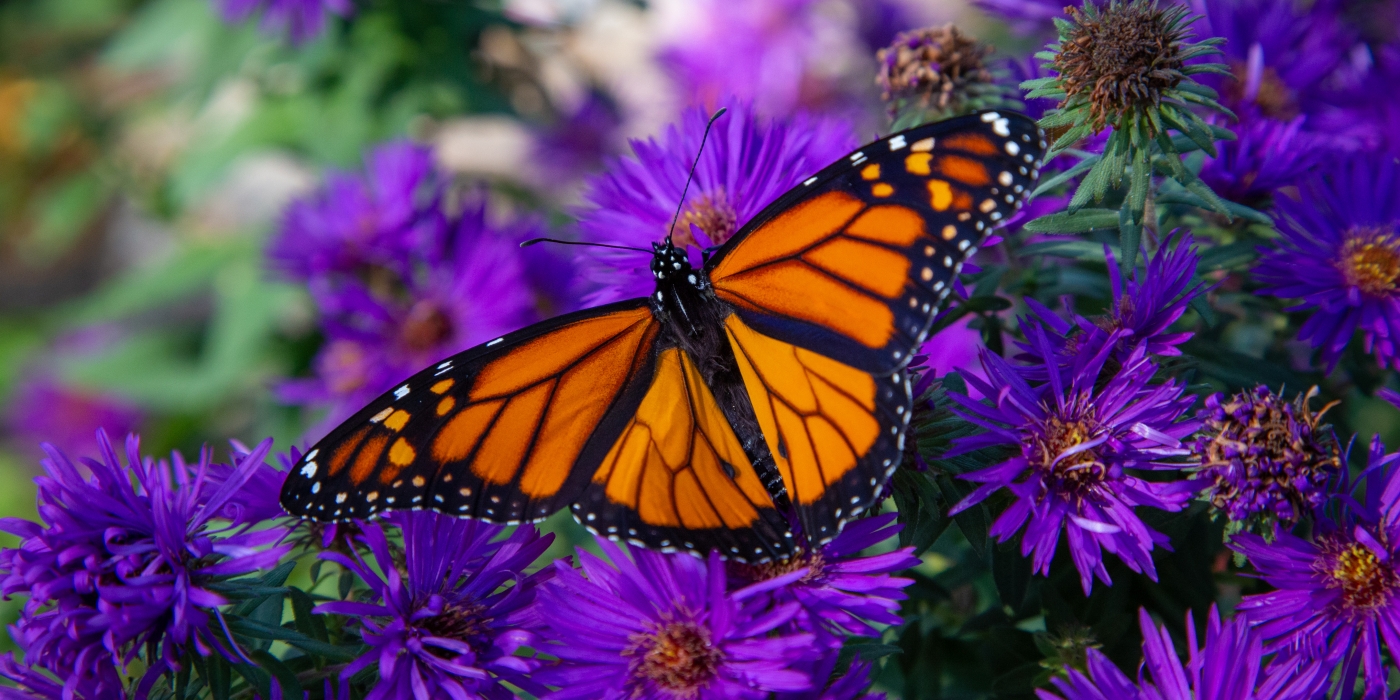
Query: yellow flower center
(678, 657)
(1364, 579)
(1081, 469)
(1370, 261)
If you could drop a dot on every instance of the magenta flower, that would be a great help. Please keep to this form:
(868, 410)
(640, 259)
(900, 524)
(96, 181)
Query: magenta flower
(1077, 434)
(748, 162)
(122, 561)
(1340, 257)
(300, 20)
(663, 626)
(1338, 594)
(450, 622)
(1229, 666)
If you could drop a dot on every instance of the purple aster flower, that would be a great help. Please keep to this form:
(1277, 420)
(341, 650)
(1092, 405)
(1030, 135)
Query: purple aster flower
(1027, 17)
(1338, 594)
(747, 163)
(1282, 52)
(1266, 460)
(850, 685)
(780, 55)
(448, 620)
(354, 224)
(301, 20)
(842, 590)
(467, 289)
(31, 684)
(1140, 313)
(1340, 256)
(579, 141)
(663, 626)
(1229, 666)
(123, 560)
(1078, 433)
(44, 410)
(1266, 155)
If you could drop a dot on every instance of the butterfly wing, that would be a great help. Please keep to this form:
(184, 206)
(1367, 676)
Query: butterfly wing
(836, 284)
(855, 261)
(677, 478)
(508, 431)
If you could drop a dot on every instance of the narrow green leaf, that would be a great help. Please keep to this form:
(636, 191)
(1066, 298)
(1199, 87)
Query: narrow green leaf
(307, 622)
(286, 677)
(1129, 237)
(1058, 179)
(1078, 222)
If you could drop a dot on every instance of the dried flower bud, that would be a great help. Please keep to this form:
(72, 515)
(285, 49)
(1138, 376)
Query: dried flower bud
(935, 73)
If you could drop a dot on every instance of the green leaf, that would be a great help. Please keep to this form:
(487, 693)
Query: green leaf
(870, 652)
(307, 622)
(286, 677)
(1129, 235)
(986, 304)
(1091, 251)
(258, 630)
(1012, 573)
(1074, 171)
(1078, 222)
(920, 507)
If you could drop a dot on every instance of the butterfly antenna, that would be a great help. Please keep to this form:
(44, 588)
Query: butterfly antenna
(532, 241)
(691, 176)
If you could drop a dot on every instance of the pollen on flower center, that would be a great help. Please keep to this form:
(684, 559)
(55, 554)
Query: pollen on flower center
(1058, 436)
(712, 214)
(426, 326)
(678, 657)
(1365, 580)
(464, 622)
(1273, 97)
(812, 561)
(1370, 260)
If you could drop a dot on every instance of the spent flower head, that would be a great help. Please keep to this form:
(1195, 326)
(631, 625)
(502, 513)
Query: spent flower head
(935, 73)
(1265, 461)
(1129, 66)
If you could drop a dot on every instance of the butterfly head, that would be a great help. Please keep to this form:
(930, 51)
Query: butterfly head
(671, 264)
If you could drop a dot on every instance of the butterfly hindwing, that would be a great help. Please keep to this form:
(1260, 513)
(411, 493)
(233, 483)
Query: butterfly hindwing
(677, 478)
(835, 432)
(854, 262)
(508, 431)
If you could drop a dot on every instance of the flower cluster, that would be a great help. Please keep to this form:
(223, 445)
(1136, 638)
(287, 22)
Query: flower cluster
(400, 281)
(128, 560)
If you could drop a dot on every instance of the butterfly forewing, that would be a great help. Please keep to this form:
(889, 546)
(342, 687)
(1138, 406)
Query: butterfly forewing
(506, 431)
(836, 284)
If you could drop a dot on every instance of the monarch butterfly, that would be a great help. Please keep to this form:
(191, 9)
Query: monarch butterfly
(752, 405)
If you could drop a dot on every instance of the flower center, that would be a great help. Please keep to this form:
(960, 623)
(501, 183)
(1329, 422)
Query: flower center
(464, 622)
(754, 573)
(1273, 98)
(1370, 260)
(1365, 580)
(426, 326)
(677, 657)
(713, 215)
(1058, 436)
(1120, 57)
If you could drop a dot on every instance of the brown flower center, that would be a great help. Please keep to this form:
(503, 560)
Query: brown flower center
(1370, 260)
(462, 622)
(677, 657)
(1077, 471)
(712, 214)
(1121, 57)
(1273, 99)
(754, 573)
(426, 326)
(1364, 579)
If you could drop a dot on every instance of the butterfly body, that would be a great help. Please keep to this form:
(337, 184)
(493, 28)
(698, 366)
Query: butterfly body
(752, 405)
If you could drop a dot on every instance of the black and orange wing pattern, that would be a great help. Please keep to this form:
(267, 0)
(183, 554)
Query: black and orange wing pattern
(855, 261)
(509, 431)
(678, 478)
(836, 284)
